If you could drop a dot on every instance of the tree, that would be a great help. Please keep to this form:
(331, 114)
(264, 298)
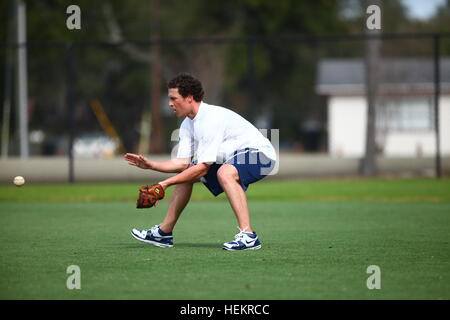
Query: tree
(372, 63)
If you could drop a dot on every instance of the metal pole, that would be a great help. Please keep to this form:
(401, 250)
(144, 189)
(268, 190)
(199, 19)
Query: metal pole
(437, 94)
(22, 85)
(9, 53)
(251, 80)
(70, 83)
(6, 108)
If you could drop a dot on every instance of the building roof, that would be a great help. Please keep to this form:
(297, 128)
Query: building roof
(397, 76)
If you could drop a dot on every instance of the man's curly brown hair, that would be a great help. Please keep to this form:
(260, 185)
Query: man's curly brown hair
(187, 85)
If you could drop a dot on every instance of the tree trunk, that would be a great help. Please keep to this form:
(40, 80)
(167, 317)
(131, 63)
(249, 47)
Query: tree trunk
(372, 66)
(155, 32)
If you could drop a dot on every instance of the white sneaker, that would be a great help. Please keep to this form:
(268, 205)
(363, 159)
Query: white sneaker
(154, 236)
(243, 241)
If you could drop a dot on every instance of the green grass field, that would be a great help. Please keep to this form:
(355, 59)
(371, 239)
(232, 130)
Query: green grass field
(318, 238)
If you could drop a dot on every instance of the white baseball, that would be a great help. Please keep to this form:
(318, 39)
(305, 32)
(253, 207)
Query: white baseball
(19, 181)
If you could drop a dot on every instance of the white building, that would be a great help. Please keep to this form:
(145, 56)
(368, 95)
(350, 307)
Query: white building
(405, 107)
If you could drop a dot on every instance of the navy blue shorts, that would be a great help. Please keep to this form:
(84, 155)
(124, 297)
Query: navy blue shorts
(251, 165)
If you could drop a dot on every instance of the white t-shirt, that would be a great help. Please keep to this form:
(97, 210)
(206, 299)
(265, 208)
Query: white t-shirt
(216, 133)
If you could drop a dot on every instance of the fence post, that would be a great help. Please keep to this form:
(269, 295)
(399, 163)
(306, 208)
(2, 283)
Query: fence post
(70, 84)
(251, 79)
(437, 94)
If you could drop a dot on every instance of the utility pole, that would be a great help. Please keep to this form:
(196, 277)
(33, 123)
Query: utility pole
(22, 77)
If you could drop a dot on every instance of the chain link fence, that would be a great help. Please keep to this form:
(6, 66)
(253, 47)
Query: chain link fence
(98, 100)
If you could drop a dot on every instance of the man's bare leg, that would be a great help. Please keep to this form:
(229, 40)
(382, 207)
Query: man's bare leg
(229, 180)
(178, 201)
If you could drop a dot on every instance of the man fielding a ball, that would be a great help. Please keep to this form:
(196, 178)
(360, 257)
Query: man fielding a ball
(217, 147)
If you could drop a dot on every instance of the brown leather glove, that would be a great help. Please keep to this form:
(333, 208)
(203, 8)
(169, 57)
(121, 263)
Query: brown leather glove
(149, 196)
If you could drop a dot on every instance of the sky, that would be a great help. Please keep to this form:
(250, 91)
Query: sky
(422, 9)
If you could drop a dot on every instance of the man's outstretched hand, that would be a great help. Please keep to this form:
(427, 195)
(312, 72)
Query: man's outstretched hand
(137, 160)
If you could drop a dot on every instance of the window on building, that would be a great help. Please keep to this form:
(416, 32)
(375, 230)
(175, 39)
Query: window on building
(405, 113)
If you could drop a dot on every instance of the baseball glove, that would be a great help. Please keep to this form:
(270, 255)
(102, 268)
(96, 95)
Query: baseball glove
(149, 196)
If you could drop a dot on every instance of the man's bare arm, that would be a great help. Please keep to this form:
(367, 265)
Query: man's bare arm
(169, 166)
(191, 174)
